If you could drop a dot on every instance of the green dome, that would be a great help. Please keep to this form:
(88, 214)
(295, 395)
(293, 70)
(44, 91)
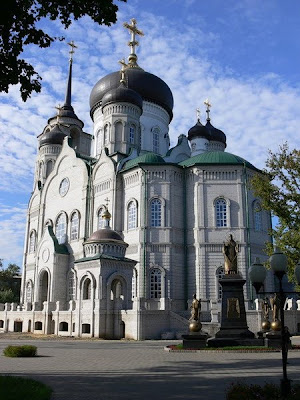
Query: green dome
(216, 157)
(147, 158)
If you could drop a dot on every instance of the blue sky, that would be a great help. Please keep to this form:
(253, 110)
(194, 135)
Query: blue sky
(243, 55)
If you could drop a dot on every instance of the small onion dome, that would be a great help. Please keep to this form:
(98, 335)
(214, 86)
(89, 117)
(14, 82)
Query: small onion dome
(122, 94)
(215, 134)
(103, 235)
(54, 136)
(198, 130)
(149, 86)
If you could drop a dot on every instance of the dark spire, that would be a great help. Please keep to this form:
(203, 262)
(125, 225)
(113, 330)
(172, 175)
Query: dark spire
(67, 109)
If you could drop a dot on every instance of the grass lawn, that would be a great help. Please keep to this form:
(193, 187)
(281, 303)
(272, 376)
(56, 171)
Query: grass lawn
(17, 388)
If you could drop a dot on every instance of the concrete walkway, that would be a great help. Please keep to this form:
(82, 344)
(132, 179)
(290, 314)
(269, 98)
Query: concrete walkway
(105, 370)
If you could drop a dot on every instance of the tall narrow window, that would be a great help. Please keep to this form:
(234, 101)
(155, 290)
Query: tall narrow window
(105, 134)
(155, 212)
(131, 222)
(74, 226)
(87, 290)
(49, 168)
(99, 218)
(131, 134)
(155, 284)
(156, 140)
(257, 216)
(221, 213)
(71, 286)
(61, 228)
(32, 241)
(29, 292)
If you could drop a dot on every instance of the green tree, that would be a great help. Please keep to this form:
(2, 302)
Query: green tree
(18, 28)
(10, 283)
(279, 190)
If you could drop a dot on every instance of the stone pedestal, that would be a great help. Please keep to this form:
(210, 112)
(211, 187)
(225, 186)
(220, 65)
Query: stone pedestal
(234, 330)
(273, 339)
(194, 340)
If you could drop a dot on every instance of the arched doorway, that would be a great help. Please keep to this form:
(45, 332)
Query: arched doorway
(44, 285)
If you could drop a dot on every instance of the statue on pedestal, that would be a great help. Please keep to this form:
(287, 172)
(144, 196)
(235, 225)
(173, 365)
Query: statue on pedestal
(230, 250)
(195, 309)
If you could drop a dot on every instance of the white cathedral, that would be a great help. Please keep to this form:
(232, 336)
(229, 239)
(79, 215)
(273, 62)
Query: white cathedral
(122, 230)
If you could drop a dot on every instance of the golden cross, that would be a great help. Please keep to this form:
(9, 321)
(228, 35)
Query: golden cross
(198, 114)
(208, 105)
(133, 30)
(71, 52)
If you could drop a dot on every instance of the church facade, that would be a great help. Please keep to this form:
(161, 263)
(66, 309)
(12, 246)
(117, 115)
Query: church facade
(123, 230)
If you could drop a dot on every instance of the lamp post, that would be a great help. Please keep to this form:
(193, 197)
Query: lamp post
(257, 275)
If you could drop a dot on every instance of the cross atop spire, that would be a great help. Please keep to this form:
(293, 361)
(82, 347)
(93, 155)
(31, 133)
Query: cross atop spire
(198, 114)
(133, 30)
(71, 52)
(208, 105)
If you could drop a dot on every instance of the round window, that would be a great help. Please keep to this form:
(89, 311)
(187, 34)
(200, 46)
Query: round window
(64, 187)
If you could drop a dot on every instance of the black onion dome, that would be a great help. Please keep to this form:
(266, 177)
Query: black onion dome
(103, 235)
(198, 130)
(150, 87)
(54, 136)
(215, 134)
(122, 94)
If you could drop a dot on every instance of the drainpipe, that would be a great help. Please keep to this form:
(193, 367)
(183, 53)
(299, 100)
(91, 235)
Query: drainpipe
(88, 203)
(145, 230)
(185, 250)
(245, 179)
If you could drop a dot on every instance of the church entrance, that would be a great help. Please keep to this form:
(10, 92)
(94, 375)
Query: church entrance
(18, 326)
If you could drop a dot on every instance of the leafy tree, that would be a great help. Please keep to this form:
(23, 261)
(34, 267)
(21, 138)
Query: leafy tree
(279, 190)
(9, 283)
(18, 28)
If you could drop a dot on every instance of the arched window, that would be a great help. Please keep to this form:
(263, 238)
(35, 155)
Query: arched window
(155, 284)
(219, 275)
(105, 134)
(61, 228)
(28, 292)
(71, 286)
(131, 210)
(87, 290)
(32, 241)
(132, 134)
(257, 216)
(156, 140)
(41, 170)
(100, 220)
(75, 226)
(221, 213)
(49, 168)
(155, 212)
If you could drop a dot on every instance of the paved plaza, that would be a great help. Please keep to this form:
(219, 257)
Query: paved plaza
(109, 370)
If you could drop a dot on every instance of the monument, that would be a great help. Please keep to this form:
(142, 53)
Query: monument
(196, 338)
(234, 330)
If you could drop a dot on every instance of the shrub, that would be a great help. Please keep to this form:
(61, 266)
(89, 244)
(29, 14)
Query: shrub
(17, 388)
(256, 392)
(20, 351)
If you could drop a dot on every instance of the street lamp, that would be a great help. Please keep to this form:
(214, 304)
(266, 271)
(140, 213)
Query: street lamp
(257, 275)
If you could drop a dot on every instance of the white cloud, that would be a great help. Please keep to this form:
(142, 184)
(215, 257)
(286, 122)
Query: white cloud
(12, 227)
